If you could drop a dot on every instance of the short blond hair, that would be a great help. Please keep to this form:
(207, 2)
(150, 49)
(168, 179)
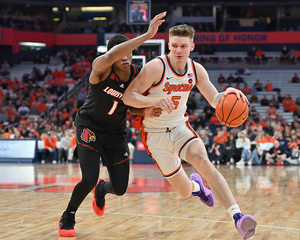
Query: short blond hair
(182, 30)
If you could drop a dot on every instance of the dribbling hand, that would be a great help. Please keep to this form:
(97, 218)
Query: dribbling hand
(238, 93)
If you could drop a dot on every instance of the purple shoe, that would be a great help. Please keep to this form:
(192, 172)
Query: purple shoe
(245, 224)
(205, 195)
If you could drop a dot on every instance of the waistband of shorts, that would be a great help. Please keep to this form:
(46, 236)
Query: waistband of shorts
(159, 130)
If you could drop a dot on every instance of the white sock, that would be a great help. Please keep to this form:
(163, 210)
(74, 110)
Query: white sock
(196, 186)
(233, 210)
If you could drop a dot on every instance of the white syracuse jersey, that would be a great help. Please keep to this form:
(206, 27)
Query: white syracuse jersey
(177, 88)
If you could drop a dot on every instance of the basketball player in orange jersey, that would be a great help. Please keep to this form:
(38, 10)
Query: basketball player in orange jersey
(101, 126)
(165, 82)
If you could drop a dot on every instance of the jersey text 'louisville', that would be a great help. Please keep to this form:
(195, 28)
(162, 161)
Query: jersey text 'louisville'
(104, 106)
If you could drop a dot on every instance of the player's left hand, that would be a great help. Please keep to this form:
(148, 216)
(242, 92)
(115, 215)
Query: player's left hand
(152, 112)
(238, 93)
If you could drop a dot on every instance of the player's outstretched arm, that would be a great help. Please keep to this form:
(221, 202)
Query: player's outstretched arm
(101, 63)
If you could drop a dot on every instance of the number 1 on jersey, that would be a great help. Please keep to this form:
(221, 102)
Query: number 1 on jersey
(113, 108)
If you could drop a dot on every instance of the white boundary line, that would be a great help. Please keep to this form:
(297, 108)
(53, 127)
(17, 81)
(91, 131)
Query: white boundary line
(155, 216)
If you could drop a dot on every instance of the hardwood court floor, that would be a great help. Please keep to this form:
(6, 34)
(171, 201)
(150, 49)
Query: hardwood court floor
(33, 197)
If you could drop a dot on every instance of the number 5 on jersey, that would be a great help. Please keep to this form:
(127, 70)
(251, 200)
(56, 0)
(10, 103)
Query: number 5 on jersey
(175, 100)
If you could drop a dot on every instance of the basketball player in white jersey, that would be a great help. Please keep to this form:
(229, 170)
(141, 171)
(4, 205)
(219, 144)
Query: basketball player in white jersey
(166, 82)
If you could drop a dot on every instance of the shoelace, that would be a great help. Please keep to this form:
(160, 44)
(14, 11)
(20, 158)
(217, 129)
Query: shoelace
(203, 196)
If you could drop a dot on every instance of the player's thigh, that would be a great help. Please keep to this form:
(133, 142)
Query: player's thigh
(196, 153)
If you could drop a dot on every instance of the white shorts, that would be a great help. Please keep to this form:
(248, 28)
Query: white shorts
(168, 146)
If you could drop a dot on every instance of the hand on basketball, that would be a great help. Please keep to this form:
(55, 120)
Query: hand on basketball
(238, 93)
(152, 112)
(165, 104)
(155, 23)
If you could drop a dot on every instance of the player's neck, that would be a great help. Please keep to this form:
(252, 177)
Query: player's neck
(178, 66)
(123, 75)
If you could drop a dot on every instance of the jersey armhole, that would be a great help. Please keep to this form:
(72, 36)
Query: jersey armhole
(163, 74)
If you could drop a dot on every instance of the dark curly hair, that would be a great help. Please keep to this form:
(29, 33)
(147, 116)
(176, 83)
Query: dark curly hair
(115, 40)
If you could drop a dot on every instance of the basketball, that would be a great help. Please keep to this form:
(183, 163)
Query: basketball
(231, 111)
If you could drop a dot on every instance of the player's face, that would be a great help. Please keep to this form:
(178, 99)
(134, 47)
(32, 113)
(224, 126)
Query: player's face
(180, 48)
(124, 63)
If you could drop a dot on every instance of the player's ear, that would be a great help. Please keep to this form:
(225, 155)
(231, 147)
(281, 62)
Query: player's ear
(169, 45)
(192, 47)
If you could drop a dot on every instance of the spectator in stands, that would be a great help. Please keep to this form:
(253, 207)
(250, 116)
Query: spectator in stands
(285, 55)
(17, 134)
(280, 97)
(269, 86)
(251, 55)
(230, 149)
(258, 85)
(230, 78)
(34, 110)
(260, 56)
(71, 156)
(275, 102)
(215, 153)
(295, 158)
(243, 71)
(5, 133)
(37, 59)
(243, 144)
(297, 112)
(295, 124)
(282, 141)
(23, 110)
(239, 79)
(50, 148)
(264, 101)
(253, 112)
(295, 78)
(3, 115)
(276, 155)
(288, 104)
(272, 110)
(220, 138)
(5, 65)
(254, 98)
(206, 137)
(221, 79)
(246, 90)
(65, 145)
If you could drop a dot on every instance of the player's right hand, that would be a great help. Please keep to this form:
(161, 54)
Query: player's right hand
(165, 104)
(155, 23)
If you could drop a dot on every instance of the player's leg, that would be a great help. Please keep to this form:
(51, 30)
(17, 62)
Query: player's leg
(89, 164)
(115, 156)
(197, 156)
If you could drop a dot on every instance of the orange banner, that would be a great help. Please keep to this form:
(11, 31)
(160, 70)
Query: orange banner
(238, 37)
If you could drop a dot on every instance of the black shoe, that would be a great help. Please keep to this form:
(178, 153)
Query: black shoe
(66, 225)
(99, 198)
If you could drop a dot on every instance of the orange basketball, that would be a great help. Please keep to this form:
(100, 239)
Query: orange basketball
(231, 111)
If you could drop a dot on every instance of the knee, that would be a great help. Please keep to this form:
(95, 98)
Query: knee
(120, 190)
(89, 183)
(185, 193)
